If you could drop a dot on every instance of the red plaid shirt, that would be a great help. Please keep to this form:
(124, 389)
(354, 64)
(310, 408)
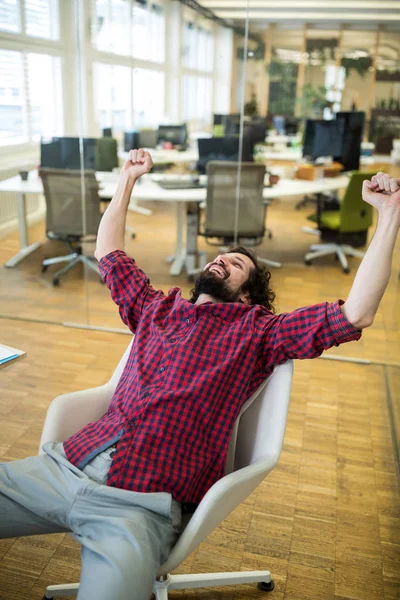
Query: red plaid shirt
(190, 370)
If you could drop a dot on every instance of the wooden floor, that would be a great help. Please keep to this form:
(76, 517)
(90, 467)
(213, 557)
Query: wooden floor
(326, 521)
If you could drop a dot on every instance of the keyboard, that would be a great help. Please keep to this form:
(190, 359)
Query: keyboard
(179, 184)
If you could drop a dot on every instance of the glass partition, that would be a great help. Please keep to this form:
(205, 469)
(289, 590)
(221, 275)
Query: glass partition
(99, 77)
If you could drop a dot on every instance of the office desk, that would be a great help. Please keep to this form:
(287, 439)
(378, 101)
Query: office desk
(148, 189)
(34, 186)
(164, 157)
(20, 354)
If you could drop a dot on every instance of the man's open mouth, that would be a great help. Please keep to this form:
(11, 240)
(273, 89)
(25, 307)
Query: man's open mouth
(220, 270)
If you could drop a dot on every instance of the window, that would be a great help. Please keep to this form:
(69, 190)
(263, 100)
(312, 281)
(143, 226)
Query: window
(31, 104)
(44, 96)
(148, 25)
(41, 18)
(113, 96)
(198, 45)
(12, 107)
(148, 98)
(197, 99)
(9, 16)
(111, 26)
(128, 98)
(126, 28)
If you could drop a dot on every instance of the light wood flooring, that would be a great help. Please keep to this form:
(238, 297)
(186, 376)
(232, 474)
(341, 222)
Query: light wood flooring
(326, 521)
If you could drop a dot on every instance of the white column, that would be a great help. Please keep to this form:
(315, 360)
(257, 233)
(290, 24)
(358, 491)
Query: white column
(173, 62)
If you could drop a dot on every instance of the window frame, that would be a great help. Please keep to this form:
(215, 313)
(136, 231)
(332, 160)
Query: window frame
(28, 44)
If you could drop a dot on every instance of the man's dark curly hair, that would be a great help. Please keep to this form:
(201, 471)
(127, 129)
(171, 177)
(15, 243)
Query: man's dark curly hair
(257, 284)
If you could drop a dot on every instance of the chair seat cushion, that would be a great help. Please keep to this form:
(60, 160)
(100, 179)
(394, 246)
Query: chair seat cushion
(330, 219)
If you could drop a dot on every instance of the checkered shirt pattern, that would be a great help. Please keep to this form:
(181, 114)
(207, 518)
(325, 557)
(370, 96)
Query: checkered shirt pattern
(190, 370)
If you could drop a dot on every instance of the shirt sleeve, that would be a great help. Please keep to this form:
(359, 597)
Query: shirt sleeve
(130, 287)
(306, 332)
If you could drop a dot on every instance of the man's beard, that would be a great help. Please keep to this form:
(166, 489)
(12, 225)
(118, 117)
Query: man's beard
(207, 282)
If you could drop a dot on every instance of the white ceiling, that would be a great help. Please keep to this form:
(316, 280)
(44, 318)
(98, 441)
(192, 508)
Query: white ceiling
(292, 14)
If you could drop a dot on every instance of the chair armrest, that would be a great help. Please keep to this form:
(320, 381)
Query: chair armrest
(68, 413)
(220, 500)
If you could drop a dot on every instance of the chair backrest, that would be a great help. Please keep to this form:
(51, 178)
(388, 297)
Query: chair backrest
(355, 214)
(72, 202)
(106, 154)
(259, 431)
(148, 138)
(222, 190)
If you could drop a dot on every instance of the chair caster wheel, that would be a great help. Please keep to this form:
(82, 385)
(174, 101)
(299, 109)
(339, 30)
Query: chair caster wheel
(270, 235)
(266, 587)
(133, 235)
(44, 268)
(56, 282)
(346, 270)
(307, 262)
(47, 598)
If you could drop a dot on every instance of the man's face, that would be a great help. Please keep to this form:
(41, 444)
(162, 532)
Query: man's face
(224, 277)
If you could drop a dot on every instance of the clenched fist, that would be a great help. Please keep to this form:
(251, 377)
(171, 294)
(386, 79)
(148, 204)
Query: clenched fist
(382, 192)
(138, 163)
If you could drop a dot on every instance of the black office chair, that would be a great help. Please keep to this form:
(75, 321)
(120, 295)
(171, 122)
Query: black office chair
(71, 217)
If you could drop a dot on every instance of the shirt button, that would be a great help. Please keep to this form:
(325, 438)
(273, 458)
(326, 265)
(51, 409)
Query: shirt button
(161, 370)
(132, 423)
(187, 321)
(146, 394)
(172, 340)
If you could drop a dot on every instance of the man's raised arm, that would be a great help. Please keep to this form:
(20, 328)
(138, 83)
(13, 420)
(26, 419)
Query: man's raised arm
(111, 233)
(382, 192)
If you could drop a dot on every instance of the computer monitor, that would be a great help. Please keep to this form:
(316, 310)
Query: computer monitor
(322, 138)
(50, 153)
(291, 125)
(107, 132)
(328, 139)
(223, 148)
(64, 153)
(353, 130)
(232, 124)
(256, 129)
(131, 140)
(308, 137)
(176, 134)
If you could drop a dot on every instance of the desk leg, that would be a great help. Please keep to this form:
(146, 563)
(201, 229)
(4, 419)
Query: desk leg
(179, 258)
(25, 248)
(140, 210)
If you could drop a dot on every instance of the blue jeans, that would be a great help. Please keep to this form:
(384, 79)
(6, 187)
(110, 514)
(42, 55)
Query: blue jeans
(125, 536)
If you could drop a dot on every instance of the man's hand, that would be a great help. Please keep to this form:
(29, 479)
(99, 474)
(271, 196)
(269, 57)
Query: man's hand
(138, 163)
(382, 192)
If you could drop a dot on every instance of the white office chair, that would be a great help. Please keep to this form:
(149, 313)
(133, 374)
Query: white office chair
(254, 451)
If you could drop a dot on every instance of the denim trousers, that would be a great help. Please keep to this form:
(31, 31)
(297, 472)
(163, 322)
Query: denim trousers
(125, 536)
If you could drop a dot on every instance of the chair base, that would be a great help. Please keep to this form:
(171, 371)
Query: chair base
(179, 582)
(341, 251)
(72, 260)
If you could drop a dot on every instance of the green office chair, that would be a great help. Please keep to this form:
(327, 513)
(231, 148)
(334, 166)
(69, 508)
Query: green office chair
(106, 154)
(346, 228)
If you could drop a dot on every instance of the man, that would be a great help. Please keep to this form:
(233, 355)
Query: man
(119, 483)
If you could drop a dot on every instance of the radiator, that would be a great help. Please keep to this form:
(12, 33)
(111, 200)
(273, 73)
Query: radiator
(8, 206)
